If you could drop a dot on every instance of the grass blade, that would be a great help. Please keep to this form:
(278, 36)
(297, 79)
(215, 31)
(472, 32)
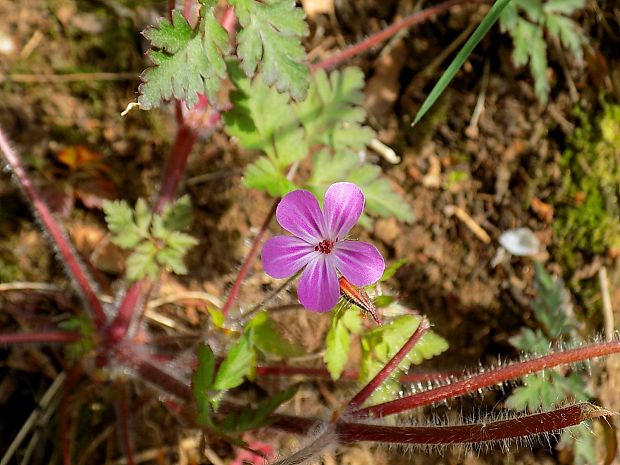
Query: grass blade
(488, 21)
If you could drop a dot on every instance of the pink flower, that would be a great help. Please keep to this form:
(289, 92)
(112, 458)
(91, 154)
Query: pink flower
(319, 245)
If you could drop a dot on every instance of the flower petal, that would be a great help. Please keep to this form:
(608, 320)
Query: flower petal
(343, 206)
(299, 213)
(318, 288)
(283, 256)
(361, 263)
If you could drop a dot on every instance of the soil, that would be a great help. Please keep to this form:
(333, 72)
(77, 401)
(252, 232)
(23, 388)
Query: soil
(500, 170)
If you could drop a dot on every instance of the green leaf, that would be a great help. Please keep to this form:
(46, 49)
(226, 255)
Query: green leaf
(568, 32)
(187, 62)
(265, 176)
(180, 241)
(552, 304)
(332, 114)
(119, 218)
(172, 260)
(533, 9)
(538, 64)
(268, 339)
(239, 362)
(382, 343)
(531, 342)
(217, 317)
(178, 215)
(336, 348)
(459, 60)
(566, 7)
(263, 119)
(142, 262)
(271, 35)
(381, 199)
(393, 268)
(143, 217)
(248, 419)
(202, 383)
(352, 320)
(328, 169)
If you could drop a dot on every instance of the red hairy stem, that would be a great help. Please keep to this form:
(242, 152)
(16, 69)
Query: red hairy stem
(245, 267)
(76, 269)
(133, 299)
(123, 418)
(153, 374)
(538, 423)
(389, 367)
(368, 43)
(489, 378)
(177, 162)
(44, 337)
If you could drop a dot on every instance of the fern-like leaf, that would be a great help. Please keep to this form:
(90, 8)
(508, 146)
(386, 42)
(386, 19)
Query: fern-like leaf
(271, 35)
(187, 61)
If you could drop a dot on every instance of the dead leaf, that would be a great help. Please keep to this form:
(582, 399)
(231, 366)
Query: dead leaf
(77, 156)
(542, 209)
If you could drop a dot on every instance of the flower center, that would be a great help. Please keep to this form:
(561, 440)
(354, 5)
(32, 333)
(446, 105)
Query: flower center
(325, 246)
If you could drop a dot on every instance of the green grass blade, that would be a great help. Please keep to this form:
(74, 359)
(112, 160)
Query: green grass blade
(488, 21)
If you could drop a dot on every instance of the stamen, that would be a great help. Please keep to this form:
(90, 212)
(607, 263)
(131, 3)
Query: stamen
(325, 246)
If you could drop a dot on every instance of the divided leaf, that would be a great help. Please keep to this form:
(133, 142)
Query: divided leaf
(202, 383)
(263, 119)
(120, 220)
(332, 114)
(240, 362)
(381, 199)
(265, 176)
(271, 35)
(528, 34)
(155, 240)
(381, 344)
(336, 348)
(187, 61)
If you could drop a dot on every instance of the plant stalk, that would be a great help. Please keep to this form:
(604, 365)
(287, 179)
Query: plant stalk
(83, 282)
(389, 367)
(489, 378)
(43, 337)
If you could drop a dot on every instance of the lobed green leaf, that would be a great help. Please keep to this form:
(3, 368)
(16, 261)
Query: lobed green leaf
(187, 61)
(337, 345)
(239, 362)
(271, 35)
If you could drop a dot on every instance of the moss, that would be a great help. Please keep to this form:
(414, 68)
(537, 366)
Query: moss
(588, 214)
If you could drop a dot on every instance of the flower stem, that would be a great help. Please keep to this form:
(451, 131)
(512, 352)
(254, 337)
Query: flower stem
(489, 378)
(245, 267)
(368, 43)
(389, 367)
(76, 269)
(45, 337)
(538, 423)
(125, 425)
(132, 300)
(177, 162)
